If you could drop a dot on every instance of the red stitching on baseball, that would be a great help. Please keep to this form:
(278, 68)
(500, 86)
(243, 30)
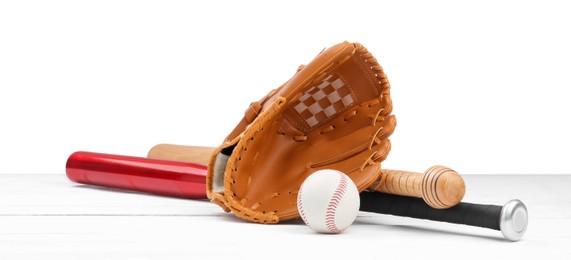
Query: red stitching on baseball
(332, 207)
(300, 207)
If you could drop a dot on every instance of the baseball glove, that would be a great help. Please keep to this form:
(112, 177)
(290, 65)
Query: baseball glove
(334, 113)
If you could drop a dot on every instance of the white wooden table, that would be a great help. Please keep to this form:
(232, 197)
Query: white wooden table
(49, 217)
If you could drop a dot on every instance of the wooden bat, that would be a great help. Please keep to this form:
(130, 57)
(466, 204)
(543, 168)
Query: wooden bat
(195, 154)
(188, 180)
(440, 187)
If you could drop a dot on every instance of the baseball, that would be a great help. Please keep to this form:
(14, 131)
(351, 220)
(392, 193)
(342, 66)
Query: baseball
(328, 201)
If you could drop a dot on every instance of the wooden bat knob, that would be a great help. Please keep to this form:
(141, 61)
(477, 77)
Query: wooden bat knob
(440, 187)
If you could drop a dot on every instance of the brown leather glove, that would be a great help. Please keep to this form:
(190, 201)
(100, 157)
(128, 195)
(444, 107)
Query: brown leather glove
(334, 113)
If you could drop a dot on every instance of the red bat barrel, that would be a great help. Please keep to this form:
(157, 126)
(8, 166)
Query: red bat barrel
(163, 177)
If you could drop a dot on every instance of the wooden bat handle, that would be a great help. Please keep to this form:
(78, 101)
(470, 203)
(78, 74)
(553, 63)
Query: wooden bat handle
(440, 187)
(400, 182)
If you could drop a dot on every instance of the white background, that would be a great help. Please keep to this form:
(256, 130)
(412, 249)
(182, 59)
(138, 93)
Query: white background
(478, 86)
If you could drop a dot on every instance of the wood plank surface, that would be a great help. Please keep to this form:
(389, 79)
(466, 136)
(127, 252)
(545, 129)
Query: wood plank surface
(47, 216)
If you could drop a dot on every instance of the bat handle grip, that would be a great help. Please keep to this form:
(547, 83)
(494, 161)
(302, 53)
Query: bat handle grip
(440, 187)
(511, 219)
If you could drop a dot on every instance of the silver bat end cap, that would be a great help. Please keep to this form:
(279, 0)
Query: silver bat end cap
(513, 220)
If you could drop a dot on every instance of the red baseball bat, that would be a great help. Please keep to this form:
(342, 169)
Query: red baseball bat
(163, 177)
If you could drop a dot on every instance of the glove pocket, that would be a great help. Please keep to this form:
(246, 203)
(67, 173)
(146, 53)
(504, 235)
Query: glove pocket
(358, 164)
